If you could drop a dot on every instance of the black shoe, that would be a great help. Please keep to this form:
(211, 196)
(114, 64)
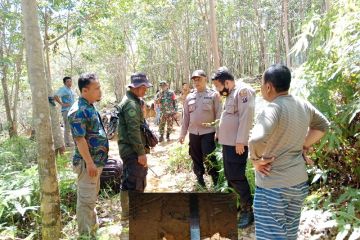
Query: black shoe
(168, 137)
(246, 219)
(200, 180)
(161, 138)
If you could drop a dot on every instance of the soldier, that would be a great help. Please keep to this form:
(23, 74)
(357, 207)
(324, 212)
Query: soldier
(201, 108)
(65, 96)
(91, 152)
(132, 141)
(235, 124)
(168, 108)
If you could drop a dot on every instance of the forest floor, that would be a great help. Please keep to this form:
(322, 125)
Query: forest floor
(315, 224)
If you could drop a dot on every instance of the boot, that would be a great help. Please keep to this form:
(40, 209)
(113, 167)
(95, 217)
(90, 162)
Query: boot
(161, 138)
(168, 137)
(124, 199)
(246, 219)
(200, 180)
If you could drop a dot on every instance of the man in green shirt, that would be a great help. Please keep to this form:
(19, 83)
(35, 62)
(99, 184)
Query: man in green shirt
(132, 143)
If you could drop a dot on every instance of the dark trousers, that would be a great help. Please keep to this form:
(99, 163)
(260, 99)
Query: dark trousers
(134, 175)
(234, 168)
(200, 147)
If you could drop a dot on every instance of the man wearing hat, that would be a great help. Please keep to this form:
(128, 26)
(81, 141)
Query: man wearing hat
(131, 140)
(201, 108)
(166, 98)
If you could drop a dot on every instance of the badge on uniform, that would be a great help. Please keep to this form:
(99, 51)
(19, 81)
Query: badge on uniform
(244, 96)
(132, 113)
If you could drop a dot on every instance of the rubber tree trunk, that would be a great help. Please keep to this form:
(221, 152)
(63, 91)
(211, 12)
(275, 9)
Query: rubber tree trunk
(214, 37)
(49, 190)
(58, 136)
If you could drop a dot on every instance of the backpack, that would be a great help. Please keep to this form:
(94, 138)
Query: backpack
(111, 175)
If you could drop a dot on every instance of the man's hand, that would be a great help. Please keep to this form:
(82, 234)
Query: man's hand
(263, 169)
(142, 160)
(65, 104)
(307, 160)
(181, 140)
(263, 165)
(91, 169)
(240, 148)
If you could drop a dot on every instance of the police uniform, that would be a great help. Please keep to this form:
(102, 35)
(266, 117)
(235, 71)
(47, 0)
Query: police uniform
(199, 108)
(235, 124)
(168, 109)
(131, 143)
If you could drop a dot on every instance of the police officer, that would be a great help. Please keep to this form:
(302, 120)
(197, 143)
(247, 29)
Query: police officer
(235, 124)
(201, 108)
(166, 98)
(132, 141)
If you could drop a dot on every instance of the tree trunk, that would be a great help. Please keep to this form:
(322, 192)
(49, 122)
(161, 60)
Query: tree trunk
(213, 34)
(54, 112)
(4, 83)
(18, 71)
(49, 190)
(286, 32)
(261, 38)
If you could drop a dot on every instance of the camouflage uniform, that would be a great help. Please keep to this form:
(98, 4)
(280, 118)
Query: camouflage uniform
(132, 143)
(85, 122)
(168, 109)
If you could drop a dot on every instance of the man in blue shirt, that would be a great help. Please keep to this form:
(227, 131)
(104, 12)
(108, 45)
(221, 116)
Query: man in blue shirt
(91, 151)
(65, 96)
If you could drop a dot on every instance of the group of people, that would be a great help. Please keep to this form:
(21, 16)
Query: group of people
(277, 144)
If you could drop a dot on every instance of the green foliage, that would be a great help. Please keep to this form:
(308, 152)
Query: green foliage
(19, 185)
(20, 191)
(179, 159)
(344, 203)
(17, 153)
(333, 81)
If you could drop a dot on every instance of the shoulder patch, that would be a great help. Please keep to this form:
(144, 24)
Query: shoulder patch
(131, 113)
(243, 93)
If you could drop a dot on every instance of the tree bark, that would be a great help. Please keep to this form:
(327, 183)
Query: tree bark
(261, 39)
(18, 71)
(4, 81)
(59, 143)
(49, 190)
(286, 32)
(214, 37)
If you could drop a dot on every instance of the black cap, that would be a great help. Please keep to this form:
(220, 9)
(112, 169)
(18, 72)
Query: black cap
(198, 73)
(138, 79)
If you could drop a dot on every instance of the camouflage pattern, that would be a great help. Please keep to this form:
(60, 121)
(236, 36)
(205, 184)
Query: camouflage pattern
(167, 101)
(166, 119)
(168, 109)
(85, 122)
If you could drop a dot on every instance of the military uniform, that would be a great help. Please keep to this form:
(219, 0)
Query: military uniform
(235, 124)
(132, 143)
(199, 108)
(85, 122)
(168, 109)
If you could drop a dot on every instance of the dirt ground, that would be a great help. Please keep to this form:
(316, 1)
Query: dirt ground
(159, 180)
